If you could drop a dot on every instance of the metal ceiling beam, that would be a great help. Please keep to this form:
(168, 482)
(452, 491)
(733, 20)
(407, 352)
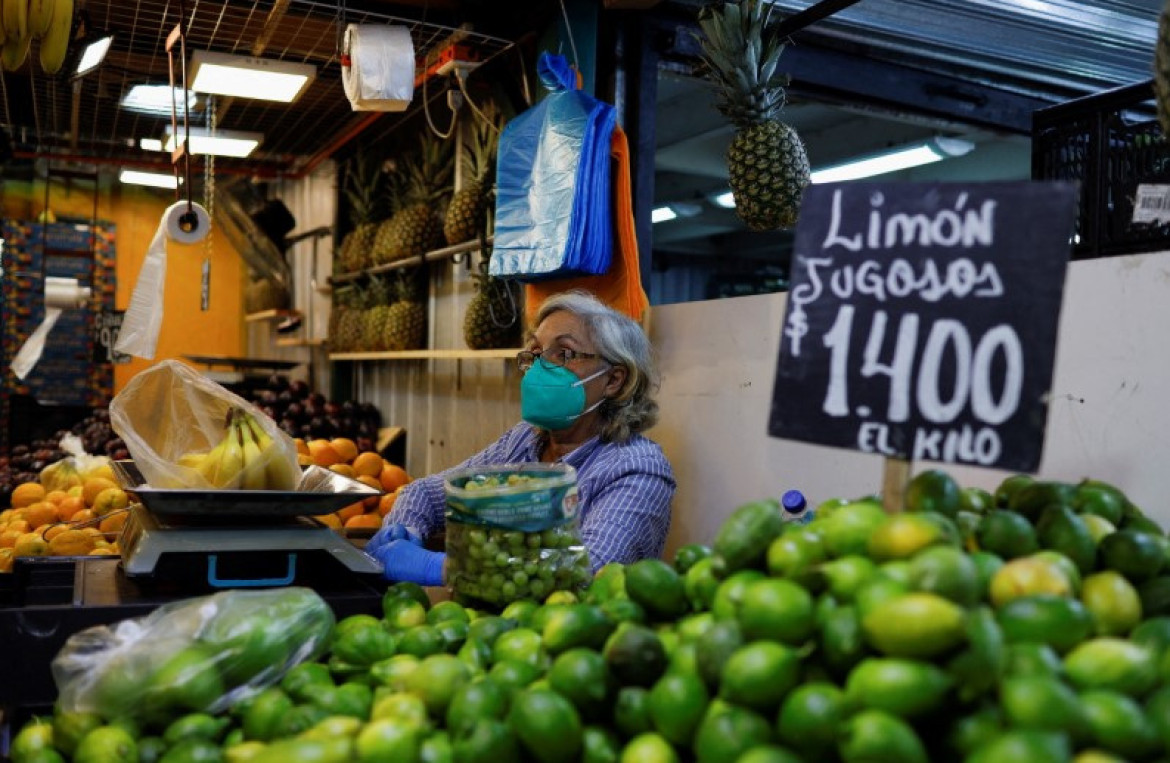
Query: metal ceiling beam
(810, 15)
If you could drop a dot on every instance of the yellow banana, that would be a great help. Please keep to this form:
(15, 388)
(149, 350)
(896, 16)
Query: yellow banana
(281, 475)
(40, 14)
(55, 38)
(14, 52)
(16, 18)
(209, 469)
(192, 460)
(254, 476)
(231, 466)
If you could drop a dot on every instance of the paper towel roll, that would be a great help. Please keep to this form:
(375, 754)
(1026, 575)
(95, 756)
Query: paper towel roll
(64, 293)
(377, 68)
(186, 222)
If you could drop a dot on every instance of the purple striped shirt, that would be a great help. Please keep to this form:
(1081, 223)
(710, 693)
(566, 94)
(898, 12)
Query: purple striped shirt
(624, 491)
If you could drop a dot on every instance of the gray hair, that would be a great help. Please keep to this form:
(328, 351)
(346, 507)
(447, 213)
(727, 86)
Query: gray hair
(621, 342)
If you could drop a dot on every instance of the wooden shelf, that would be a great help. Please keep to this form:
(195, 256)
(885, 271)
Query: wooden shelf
(428, 355)
(295, 342)
(437, 254)
(271, 315)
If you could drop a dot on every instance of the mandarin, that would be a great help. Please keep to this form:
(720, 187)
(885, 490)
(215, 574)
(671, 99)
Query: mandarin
(323, 453)
(370, 521)
(393, 477)
(386, 503)
(26, 493)
(345, 447)
(368, 463)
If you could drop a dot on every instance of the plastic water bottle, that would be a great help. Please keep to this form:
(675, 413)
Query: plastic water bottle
(796, 508)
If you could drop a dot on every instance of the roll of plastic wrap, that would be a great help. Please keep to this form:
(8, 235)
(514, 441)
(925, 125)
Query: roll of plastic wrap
(64, 293)
(186, 222)
(377, 67)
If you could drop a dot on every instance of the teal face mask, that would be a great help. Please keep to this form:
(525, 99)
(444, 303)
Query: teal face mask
(552, 397)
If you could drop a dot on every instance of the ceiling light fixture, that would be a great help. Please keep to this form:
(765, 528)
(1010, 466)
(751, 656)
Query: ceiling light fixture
(246, 77)
(894, 159)
(723, 200)
(156, 99)
(150, 144)
(235, 143)
(94, 47)
(152, 179)
(662, 214)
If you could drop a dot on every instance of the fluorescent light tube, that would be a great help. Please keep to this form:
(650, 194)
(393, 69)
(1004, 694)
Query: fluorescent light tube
(726, 200)
(900, 158)
(223, 143)
(150, 144)
(152, 179)
(662, 215)
(156, 99)
(94, 53)
(245, 77)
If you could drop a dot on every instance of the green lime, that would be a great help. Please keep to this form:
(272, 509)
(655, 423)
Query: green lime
(249, 646)
(794, 555)
(421, 641)
(515, 675)
(402, 707)
(152, 749)
(1058, 621)
(487, 741)
(264, 712)
(520, 611)
(1006, 534)
(188, 680)
(1155, 596)
(387, 739)
(677, 703)
(1064, 565)
(973, 731)
(1032, 659)
(335, 726)
(302, 681)
(692, 628)
(631, 711)
(576, 625)
(193, 751)
(842, 640)
(987, 565)
(365, 646)
(844, 576)
(599, 745)
(1154, 634)
(1040, 702)
(809, 718)
(635, 655)
(70, 727)
(1099, 527)
(299, 718)
(1114, 664)
(744, 537)
(488, 628)
(726, 602)
(436, 680)
(915, 625)
(520, 645)
(1102, 501)
(1060, 529)
(719, 642)
(901, 536)
(1028, 576)
(1158, 712)
(776, 609)
(874, 736)
(1117, 724)
(686, 556)
(1136, 555)
(728, 731)
(759, 675)
(948, 572)
(106, 744)
(34, 737)
(394, 671)
(481, 699)
(195, 726)
(307, 751)
(546, 724)
(978, 666)
(898, 571)
(877, 590)
(933, 490)
(700, 584)
(1033, 498)
(447, 610)
(402, 612)
(648, 747)
(406, 590)
(1113, 602)
(846, 531)
(904, 688)
(976, 500)
(1009, 487)
(626, 610)
(1024, 746)
(768, 753)
(581, 676)
(436, 748)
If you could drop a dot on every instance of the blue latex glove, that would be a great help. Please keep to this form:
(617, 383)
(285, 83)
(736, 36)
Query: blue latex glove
(391, 531)
(402, 560)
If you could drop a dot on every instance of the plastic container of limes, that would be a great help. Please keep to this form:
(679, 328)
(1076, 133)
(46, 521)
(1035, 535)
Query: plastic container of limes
(513, 533)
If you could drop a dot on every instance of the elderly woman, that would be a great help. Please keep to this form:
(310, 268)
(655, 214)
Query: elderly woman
(586, 397)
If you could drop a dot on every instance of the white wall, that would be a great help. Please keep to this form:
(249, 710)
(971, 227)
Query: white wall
(1109, 417)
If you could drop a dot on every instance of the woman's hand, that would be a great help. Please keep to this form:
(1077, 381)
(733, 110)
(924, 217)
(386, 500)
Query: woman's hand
(403, 560)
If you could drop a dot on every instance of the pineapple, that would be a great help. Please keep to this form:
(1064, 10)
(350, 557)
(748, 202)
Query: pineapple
(406, 322)
(466, 216)
(492, 320)
(416, 228)
(766, 161)
(345, 324)
(365, 188)
(376, 317)
(382, 236)
(1162, 68)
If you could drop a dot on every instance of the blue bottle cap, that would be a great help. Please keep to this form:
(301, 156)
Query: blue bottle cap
(793, 501)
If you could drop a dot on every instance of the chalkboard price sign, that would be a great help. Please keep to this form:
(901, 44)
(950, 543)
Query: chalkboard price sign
(921, 319)
(107, 324)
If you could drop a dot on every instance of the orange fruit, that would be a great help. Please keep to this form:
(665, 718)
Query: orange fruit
(368, 463)
(31, 544)
(344, 470)
(71, 543)
(329, 520)
(52, 531)
(40, 513)
(70, 506)
(304, 459)
(93, 487)
(110, 499)
(369, 521)
(8, 538)
(386, 502)
(302, 446)
(85, 515)
(372, 501)
(393, 477)
(323, 453)
(105, 551)
(352, 510)
(20, 525)
(56, 496)
(111, 524)
(26, 493)
(345, 447)
(101, 470)
(93, 532)
(6, 515)
(6, 557)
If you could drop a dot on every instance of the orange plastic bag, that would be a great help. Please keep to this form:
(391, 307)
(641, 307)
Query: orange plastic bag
(620, 288)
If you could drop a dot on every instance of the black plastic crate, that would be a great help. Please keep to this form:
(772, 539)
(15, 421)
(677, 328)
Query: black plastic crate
(1112, 143)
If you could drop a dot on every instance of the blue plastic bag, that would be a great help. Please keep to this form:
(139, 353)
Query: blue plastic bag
(554, 205)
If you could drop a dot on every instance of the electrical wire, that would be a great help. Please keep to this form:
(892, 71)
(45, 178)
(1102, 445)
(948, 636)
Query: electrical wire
(475, 109)
(569, 31)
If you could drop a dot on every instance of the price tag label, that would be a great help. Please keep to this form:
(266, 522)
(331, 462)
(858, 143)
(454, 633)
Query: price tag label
(107, 324)
(921, 320)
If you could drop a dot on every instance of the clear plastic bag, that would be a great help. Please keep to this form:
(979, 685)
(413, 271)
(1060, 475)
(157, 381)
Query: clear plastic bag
(170, 411)
(513, 533)
(196, 655)
(75, 468)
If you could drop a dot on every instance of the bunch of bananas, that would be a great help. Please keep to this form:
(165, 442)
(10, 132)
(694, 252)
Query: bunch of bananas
(246, 459)
(22, 21)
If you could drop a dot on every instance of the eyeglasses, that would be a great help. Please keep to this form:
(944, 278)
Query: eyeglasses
(559, 357)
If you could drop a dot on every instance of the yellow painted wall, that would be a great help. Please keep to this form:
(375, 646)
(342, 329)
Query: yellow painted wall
(136, 212)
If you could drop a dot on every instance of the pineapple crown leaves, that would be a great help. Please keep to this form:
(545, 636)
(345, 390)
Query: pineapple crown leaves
(429, 172)
(365, 186)
(481, 142)
(743, 59)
